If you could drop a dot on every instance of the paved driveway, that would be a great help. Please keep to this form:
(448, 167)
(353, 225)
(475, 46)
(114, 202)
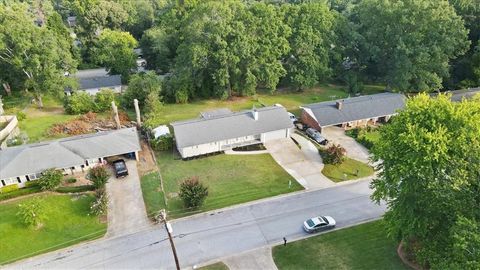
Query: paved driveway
(354, 149)
(305, 165)
(126, 209)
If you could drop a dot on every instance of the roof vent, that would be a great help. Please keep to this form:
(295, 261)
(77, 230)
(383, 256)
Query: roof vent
(339, 104)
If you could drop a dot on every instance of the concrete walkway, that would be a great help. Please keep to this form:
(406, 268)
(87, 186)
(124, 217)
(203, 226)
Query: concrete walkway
(354, 149)
(302, 164)
(255, 259)
(126, 209)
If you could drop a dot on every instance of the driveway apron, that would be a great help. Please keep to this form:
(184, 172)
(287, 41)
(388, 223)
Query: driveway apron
(354, 149)
(126, 209)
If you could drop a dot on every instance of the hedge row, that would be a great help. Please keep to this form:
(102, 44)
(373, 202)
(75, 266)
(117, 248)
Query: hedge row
(75, 189)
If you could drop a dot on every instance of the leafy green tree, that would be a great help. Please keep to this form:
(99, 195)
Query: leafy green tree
(99, 176)
(193, 192)
(103, 99)
(32, 212)
(28, 65)
(401, 41)
(159, 49)
(50, 179)
(140, 86)
(428, 176)
(311, 42)
(114, 50)
(80, 102)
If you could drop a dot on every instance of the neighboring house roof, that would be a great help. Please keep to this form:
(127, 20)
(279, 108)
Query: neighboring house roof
(66, 152)
(90, 73)
(327, 113)
(160, 131)
(229, 126)
(100, 82)
(459, 95)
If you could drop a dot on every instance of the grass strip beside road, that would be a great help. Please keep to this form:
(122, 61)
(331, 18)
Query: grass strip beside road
(68, 221)
(349, 169)
(215, 266)
(365, 246)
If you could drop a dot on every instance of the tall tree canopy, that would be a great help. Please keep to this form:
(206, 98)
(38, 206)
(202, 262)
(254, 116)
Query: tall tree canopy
(429, 177)
(114, 50)
(409, 43)
(33, 57)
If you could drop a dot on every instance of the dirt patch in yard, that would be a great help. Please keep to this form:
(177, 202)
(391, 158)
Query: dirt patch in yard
(88, 123)
(145, 163)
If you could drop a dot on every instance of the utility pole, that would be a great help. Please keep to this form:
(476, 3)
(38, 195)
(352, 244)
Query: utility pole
(162, 217)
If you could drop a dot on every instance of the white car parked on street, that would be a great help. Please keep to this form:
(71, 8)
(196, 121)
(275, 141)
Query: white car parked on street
(319, 223)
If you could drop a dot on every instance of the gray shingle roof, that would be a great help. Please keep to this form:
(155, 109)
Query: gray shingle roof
(99, 82)
(66, 152)
(459, 95)
(228, 126)
(357, 108)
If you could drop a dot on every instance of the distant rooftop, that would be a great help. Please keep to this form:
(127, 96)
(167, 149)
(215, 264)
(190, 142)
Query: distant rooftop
(459, 95)
(90, 73)
(356, 108)
(99, 82)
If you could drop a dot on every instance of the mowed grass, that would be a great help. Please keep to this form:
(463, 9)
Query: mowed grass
(231, 179)
(67, 222)
(364, 246)
(37, 127)
(152, 193)
(351, 168)
(290, 99)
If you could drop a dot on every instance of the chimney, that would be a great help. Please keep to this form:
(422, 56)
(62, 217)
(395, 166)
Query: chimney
(255, 114)
(339, 104)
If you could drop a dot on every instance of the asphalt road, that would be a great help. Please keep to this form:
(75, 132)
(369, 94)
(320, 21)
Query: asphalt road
(218, 234)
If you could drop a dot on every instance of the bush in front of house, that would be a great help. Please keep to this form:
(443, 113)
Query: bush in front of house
(75, 189)
(79, 102)
(103, 100)
(334, 154)
(100, 205)
(193, 192)
(32, 212)
(162, 143)
(9, 188)
(50, 179)
(99, 176)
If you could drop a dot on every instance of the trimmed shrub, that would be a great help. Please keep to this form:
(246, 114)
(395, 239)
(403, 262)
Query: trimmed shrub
(71, 180)
(335, 154)
(50, 179)
(9, 188)
(32, 184)
(20, 192)
(21, 116)
(100, 205)
(31, 212)
(103, 99)
(99, 176)
(193, 192)
(79, 102)
(75, 189)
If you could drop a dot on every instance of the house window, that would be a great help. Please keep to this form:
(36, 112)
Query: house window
(28, 178)
(86, 162)
(32, 176)
(3, 183)
(18, 180)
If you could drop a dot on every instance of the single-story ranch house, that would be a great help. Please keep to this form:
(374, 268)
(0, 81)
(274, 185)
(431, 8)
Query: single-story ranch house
(24, 163)
(222, 130)
(353, 112)
(92, 80)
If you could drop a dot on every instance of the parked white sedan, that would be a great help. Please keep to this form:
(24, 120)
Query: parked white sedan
(319, 223)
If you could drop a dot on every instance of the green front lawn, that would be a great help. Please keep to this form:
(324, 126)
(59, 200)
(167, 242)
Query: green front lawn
(364, 246)
(351, 168)
(152, 193)
(67, 222)
(231, 179)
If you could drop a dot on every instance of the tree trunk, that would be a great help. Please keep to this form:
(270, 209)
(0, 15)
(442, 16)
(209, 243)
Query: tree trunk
(7, 88)
(39, 101)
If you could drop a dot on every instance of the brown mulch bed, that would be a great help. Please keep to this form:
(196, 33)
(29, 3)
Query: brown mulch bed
(146, 163)
(404, 257)
(88, 123)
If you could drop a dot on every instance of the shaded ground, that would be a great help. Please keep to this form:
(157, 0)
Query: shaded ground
(364, 246)
(126, 209)
(67, 222)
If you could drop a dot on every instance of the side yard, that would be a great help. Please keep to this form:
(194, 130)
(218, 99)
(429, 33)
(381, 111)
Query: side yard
(364, 246)
(67, 222)
(231, 179)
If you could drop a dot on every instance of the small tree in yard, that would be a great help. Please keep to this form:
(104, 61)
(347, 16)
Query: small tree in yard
(50, 179)
(99, 176)
(32, 212)
(335, 154)
(100, 205)
(193, 192)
